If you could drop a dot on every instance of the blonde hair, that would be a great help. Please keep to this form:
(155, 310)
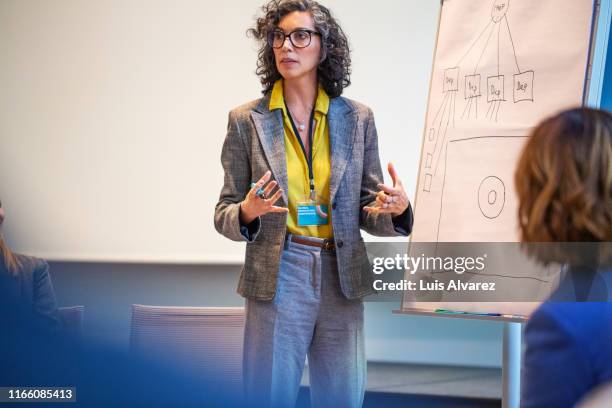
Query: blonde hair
(11, 261)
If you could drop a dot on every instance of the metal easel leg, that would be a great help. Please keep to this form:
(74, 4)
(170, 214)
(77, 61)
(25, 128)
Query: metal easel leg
(511, 365)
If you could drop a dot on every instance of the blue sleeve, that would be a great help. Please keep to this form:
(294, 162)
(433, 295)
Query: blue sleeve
(557, 371)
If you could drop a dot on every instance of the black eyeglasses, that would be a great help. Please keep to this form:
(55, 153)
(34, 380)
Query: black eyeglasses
(299, 38)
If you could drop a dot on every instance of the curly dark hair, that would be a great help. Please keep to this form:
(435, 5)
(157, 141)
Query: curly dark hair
(334, 71)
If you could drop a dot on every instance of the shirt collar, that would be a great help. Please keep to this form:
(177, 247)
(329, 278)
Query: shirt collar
(277, 101)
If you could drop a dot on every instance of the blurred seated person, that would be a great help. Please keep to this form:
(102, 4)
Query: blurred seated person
(26, 291)
(564, 186)
(33, 353)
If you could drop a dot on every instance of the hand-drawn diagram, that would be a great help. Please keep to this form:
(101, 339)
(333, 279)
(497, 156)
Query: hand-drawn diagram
(481, 50)
(483, 104)
(522, 81)
(477, 192)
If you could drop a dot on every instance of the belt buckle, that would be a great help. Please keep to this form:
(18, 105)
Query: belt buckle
(328, 245)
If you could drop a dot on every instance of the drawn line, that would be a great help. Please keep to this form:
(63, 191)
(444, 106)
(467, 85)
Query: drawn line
(442, 146)
(482, 137)
(512, 42)
(454, 105)
(496, 112)
(466, 107)
(440, 108)
(442, 196)
(484, 49)
(498, 35)
(489, 110)
(493, 274)
(474, 43)
(470, 110)
(446, 105)
(438, 130)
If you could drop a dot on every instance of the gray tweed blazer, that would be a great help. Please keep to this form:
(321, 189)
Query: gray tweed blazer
(29, 294)
(255, 144)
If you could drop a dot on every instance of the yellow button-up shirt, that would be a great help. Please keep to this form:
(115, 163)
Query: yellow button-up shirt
(297, 166)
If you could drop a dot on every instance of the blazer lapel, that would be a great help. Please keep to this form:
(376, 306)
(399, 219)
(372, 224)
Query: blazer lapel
(269, 125)
(342, 119)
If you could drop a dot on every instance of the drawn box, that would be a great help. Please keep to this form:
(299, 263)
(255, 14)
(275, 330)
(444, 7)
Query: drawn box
(495, 88)
(478, 199)
(428, 161)
(427, 183)
(523, 86)
(451, 79)
(472, 86)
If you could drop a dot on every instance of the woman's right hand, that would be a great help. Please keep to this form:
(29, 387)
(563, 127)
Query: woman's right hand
(254, 206)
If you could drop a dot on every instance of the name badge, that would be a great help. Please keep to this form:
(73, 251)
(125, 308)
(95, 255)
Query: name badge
(312, 213)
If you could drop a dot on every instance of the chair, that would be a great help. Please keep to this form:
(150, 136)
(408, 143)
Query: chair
(206, 340)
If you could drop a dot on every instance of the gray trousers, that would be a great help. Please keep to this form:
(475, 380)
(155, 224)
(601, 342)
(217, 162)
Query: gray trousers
(309, 316)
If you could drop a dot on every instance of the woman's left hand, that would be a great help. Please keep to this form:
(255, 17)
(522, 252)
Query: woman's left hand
(390, 200)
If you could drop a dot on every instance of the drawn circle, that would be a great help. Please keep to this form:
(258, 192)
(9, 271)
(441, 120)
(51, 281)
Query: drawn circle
(491, 196)
(499, 10)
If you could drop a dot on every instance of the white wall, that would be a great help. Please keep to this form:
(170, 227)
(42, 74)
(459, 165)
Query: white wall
(112, 116)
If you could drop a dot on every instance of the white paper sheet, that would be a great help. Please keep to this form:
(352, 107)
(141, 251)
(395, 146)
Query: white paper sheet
(500, 67)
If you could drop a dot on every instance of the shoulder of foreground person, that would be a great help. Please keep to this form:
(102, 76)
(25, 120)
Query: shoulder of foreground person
(569, 351)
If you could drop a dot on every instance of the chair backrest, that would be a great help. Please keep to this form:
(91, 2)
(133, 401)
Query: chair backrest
(71, 321)
(207, 340)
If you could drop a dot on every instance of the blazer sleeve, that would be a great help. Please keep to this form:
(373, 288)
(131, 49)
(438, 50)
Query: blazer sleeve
(378, 224)
(236, 184)
(44, 305)
(556, 368)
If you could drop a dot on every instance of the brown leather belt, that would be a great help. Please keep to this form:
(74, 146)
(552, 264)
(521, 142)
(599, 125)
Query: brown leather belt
(327, 244)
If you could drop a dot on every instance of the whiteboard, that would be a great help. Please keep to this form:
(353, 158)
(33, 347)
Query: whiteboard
(500, 66)
(113, 114)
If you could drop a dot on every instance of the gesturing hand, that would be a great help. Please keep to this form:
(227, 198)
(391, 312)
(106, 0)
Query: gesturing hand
(254, 205)
(392, 200)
